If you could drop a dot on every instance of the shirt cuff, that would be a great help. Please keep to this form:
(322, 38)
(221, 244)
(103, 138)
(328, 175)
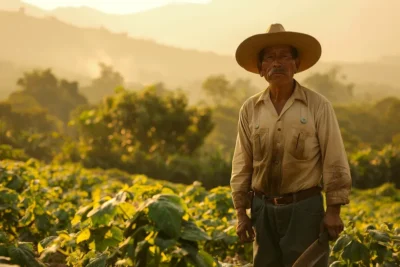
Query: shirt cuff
(339, 197)
(241, 200)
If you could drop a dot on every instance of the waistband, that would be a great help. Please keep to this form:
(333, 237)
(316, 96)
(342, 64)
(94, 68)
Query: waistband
(289, 197)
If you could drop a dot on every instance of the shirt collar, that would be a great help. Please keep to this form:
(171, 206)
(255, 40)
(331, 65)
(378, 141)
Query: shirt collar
(298, 94)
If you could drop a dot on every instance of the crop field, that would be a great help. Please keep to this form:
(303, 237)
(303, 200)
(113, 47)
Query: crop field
(65, 215)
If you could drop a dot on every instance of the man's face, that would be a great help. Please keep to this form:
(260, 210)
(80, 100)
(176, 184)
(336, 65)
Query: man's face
(278, 64)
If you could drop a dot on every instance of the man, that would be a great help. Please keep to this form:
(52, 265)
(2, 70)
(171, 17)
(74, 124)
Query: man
(289, 147)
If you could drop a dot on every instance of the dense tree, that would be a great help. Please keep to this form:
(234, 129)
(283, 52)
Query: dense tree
(42, 88)
(35, 118)
(33, 132)
(369, 124)
(130, 124)
(331, 85)
(104, 84)
(156, 132)
(227, 98)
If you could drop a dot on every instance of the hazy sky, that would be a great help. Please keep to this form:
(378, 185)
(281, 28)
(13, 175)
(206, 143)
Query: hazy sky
(349, 30)
(110, 6)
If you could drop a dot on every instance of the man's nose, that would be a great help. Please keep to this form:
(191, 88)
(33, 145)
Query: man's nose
(276, 63)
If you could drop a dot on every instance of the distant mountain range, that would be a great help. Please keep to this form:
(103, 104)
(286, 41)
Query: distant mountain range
(348, 30)
(34, 37)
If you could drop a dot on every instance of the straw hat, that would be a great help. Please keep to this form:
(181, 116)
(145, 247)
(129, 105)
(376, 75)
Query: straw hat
(309, 49)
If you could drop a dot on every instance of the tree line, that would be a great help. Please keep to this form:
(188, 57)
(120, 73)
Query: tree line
(154, 130)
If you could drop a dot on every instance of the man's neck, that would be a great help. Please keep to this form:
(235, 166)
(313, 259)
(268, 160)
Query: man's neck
(281, 92)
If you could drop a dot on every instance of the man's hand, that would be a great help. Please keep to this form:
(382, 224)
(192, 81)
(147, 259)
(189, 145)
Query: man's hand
(244, 228)
(332, 222)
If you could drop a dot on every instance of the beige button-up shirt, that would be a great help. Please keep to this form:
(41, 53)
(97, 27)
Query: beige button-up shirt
(300, 148)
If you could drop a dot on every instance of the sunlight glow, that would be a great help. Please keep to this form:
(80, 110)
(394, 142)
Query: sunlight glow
(110, 6)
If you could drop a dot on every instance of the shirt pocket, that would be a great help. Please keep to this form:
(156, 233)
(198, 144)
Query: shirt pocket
(260, 143)
(298, 142)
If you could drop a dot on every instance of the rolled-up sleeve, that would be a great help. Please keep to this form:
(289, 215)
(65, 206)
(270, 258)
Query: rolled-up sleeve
(242, 161)
(335, 166)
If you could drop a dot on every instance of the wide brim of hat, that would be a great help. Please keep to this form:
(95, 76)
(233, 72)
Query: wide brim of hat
(309, 49)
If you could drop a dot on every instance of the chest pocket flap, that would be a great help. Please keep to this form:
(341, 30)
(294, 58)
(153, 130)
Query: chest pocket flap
(260, 143)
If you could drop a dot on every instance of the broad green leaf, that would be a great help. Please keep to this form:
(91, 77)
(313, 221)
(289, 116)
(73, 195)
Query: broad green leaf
(178, 201)
(371, 227)
(127, 209)
(141, 246)
(47, 241)
(104, 239)
(192, 232)
(124, 262)
(225, 237)
(381, 251)
(337, 264)
(379, 235)
(43, 222)
(206, 259)
(389, 225)
(99, 261)
(164, 243)
(28, 217)
(83, 235)
(23, 255)
(83, 211)
(355, 251)
(16, 183)
(397, 230)
(4, 250)
(104, 214)
(62, 215)
(117, 233)
(3, 237)
(8, 196)
(341, 242)
(166, 212)
(199, 257)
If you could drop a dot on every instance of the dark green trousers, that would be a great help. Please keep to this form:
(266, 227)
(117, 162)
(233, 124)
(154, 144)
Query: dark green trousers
(284, 232)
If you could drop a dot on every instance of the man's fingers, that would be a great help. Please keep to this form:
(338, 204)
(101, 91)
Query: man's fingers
(250, 231)
(332, 233)
(243, 237)
(246, 234)
(241, 233)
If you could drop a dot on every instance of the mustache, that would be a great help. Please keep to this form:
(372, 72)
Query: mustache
(277, 70)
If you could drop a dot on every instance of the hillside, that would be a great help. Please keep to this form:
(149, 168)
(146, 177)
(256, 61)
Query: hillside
(79, 50)
(219, 25)
(75, 52)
